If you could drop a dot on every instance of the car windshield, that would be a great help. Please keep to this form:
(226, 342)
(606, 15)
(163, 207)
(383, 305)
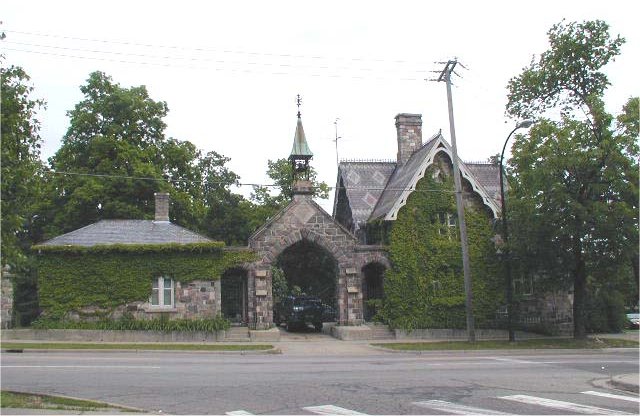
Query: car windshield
(633, 315)
(306, 301)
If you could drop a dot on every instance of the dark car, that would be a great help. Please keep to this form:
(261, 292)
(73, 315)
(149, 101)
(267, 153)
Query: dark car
(299, 311)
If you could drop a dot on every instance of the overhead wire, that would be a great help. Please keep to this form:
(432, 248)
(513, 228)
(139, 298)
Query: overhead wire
(127, 43)
(327, 69)
(111, 176)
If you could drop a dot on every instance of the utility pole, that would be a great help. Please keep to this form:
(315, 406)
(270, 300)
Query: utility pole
(445, 76)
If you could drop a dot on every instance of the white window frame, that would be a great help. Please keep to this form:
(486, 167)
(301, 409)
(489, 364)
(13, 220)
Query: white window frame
(160, 281)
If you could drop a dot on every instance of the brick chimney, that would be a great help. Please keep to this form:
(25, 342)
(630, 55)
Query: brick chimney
(409, 128)
(162, 206)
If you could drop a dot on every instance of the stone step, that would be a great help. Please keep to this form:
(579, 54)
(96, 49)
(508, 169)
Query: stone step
(237, 333)
(379, 331)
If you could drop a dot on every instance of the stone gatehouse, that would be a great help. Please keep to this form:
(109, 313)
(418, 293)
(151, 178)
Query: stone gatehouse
(303, 219)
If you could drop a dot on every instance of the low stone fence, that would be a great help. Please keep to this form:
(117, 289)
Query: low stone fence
(461, 334)
(88, 335)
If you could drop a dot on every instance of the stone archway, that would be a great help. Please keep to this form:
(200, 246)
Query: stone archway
(303, 219)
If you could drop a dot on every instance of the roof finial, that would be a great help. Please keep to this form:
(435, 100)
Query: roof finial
(298, 102)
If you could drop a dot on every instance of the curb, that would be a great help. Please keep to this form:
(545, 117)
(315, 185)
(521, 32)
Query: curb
(619, 382)
(274, 350)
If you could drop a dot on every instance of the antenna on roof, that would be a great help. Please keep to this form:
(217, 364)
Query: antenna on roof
(335, 123)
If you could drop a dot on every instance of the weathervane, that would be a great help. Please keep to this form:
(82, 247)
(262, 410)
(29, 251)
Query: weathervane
(298, 102)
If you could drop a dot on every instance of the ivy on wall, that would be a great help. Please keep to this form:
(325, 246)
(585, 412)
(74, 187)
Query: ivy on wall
(106, 276)
(425, 286)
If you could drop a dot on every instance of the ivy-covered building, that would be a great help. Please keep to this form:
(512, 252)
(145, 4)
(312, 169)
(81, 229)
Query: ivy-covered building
(138, 267)
(408, 205)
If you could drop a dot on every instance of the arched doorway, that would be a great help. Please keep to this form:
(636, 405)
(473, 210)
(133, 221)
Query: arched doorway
(307, 269)
(234, 296)
(372, 288)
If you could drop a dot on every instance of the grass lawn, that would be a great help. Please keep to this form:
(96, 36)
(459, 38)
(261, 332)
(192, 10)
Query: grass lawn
(132, 346)
(42, 401)
(499, 345)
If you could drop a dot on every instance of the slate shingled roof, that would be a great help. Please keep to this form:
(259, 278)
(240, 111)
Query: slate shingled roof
(378, 189)
(127, 232)
(401, 179)
(364, 182)
(488, 175)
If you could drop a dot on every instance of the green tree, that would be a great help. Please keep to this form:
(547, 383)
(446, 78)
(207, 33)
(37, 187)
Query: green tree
(21, 165)
(574, 180)
(21, 175)
(115, 156)
(267, 204)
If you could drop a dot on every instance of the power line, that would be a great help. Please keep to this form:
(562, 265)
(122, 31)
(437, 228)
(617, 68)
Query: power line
(219, 61)
(213, 68)
(229, 51)
(204, 181)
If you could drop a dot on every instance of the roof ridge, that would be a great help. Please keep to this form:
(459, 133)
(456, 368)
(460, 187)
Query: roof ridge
(367, 161)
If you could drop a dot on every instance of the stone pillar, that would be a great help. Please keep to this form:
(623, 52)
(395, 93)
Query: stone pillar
(409, 132)
(263, 298)
(354, 296)
(6, 298)
(217, 288)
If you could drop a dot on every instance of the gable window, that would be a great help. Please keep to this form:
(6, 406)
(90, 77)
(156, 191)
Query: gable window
(162, 293)
(447, 224)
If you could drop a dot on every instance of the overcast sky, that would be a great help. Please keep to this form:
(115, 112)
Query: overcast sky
(230, 71)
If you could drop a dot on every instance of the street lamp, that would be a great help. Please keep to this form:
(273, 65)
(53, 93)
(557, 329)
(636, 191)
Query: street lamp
(512, 337)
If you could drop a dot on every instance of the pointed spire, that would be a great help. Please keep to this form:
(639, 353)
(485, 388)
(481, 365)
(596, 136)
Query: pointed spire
(300, 146)
(300, 149)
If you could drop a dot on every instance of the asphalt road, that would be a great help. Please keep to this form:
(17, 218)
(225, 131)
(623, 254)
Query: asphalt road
(520, 382)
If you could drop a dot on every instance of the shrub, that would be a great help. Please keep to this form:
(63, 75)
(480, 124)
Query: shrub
(127, 322)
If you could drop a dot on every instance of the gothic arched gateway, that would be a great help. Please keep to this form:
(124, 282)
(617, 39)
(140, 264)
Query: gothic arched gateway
(303, 219)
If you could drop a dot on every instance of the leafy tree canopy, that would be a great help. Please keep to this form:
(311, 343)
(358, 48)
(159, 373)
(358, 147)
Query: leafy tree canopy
(115, 156)
(21, 165)
(574, 182)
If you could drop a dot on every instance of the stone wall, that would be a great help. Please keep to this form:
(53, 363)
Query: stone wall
(304, 219)
(6, 299)
(550, 312)
(193, 300)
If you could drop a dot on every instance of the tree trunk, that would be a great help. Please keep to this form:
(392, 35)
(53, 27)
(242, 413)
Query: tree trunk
(579, 292)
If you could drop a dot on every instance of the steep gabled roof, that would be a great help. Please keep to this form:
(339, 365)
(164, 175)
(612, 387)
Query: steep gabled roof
(403, 180)
(488, 175)
(364, 183)
(127, 232)
(368, 200)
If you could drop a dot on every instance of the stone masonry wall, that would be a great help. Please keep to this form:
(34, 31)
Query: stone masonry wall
(6, 299)
(304, 219)
(193, 300)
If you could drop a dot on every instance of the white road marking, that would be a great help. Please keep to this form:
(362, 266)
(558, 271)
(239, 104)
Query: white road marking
(560, 405)
(79, 366)
(456, 409)
(330, 409)
(238, 413)
(512, 360)
(613, 396)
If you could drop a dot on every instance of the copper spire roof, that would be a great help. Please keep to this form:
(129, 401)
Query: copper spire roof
(300, 146)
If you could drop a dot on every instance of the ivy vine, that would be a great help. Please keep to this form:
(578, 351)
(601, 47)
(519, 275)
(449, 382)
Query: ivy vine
(425, 286)
(72, 277)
